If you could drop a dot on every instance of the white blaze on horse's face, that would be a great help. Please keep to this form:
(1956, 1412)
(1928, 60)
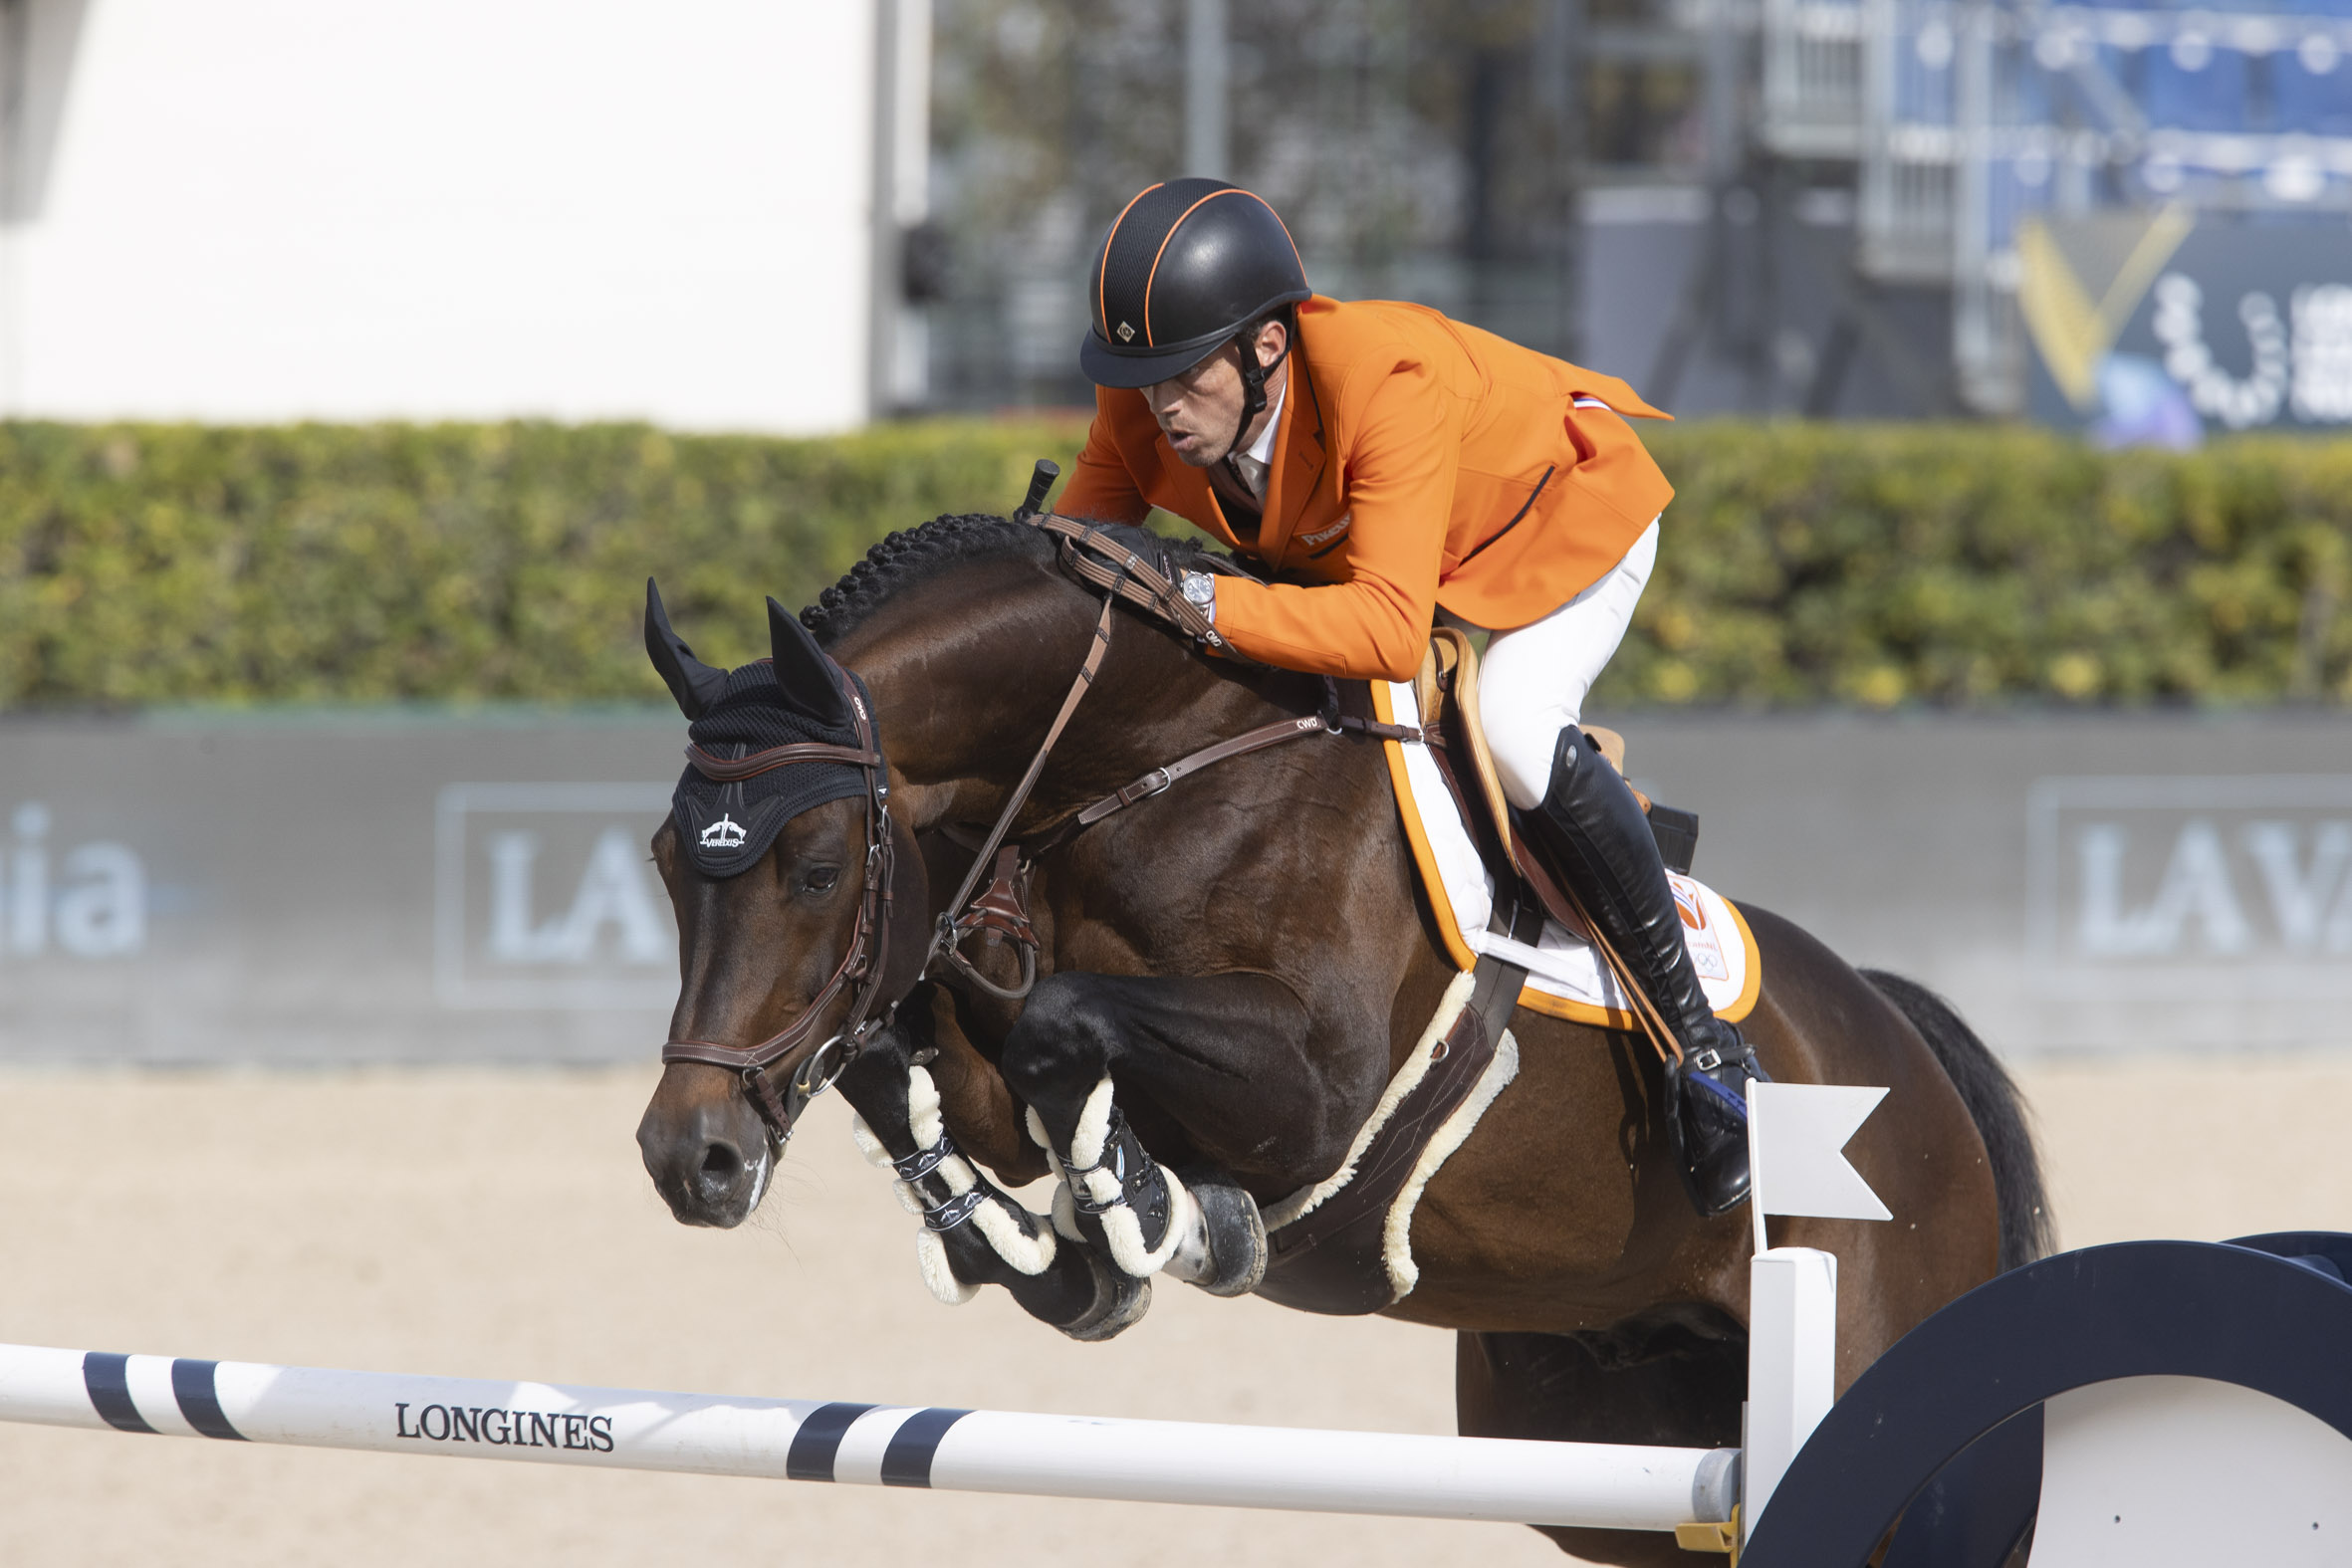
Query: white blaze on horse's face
(763, 1171)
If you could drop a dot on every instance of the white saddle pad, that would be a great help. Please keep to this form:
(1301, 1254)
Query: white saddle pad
(1565, 977)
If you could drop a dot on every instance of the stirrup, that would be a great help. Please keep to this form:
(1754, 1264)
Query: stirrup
(1706, 1123)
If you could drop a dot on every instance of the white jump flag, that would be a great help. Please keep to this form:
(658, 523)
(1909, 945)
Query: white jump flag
(1796, 1138)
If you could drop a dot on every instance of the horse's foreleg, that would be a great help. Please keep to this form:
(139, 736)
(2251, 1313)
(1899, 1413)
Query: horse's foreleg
(980, 1109)
(973, 1233)
(1226, 1058)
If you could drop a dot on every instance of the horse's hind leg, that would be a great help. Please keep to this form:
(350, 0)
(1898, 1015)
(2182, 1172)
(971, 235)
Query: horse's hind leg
(1674, 1380)
(973, 1233)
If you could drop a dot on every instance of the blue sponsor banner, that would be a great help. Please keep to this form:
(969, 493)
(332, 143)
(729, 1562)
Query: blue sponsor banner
(2160, 329)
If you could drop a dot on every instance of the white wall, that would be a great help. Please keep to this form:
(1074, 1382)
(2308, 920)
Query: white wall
(248, 210)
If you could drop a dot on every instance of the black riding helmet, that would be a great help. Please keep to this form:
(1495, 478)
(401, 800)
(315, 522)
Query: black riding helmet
(1186, 267)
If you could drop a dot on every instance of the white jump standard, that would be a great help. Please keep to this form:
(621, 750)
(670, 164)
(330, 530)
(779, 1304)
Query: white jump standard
(1590, 1484)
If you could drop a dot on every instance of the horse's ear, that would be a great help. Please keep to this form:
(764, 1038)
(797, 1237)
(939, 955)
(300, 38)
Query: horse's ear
(804, 671)
(693, 683)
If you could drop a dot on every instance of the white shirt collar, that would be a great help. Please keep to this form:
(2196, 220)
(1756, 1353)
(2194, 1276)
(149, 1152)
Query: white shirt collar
(1251, 467)
(1262, 449)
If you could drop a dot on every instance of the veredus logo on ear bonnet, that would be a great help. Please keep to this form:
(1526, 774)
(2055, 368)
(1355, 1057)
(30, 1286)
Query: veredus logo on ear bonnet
(796, 697)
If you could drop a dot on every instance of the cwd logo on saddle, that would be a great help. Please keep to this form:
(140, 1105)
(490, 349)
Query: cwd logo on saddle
(545, 897)
(2191, 886)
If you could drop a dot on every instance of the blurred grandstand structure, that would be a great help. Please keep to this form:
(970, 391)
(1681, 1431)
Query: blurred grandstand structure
(1967, 121)
(2130, 217)
(1882, 207)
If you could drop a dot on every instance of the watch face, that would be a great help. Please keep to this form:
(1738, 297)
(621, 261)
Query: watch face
(1198, 587)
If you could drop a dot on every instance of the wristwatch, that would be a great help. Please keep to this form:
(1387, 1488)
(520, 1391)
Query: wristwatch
(1200, 591)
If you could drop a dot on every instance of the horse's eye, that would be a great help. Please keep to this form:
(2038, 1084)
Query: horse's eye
(821, 879)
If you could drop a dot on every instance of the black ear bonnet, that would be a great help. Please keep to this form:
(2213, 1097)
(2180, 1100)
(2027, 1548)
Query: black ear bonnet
(727, 827)
(798, 696)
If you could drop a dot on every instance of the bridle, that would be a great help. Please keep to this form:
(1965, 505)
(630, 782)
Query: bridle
(1096, 558)
(864, 966)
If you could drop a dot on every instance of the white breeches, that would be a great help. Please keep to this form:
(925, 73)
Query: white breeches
(1534, 681)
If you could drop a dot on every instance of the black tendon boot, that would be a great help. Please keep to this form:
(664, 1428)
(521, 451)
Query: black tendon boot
(1119, 1200)
(1200, 1228)
(1592, 830)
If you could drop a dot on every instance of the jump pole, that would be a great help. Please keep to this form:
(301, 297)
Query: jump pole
(1587, 1484)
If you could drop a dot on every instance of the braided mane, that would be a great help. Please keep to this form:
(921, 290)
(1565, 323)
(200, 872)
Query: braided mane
(907, 557)
(916, 554)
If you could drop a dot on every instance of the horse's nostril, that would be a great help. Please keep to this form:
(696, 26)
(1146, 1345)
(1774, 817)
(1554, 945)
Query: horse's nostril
(722, 1164)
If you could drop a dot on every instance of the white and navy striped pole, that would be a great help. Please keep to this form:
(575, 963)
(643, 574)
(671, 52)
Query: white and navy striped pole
(1588, 1485)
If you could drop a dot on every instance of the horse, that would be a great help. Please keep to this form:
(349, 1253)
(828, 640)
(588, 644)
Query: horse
(1249, 956)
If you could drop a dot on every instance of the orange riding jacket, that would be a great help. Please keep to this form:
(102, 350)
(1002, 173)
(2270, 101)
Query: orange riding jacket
(1418, 462)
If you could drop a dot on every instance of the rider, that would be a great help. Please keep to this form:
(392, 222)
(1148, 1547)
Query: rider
(1385, 465)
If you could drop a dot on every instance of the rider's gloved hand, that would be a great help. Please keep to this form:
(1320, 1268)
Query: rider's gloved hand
(1157, 553)
(1197, 587)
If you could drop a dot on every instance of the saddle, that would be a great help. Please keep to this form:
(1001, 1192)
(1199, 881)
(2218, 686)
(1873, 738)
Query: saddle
(1446, 692)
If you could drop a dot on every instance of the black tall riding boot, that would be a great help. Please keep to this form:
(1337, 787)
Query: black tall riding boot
(1591, 832)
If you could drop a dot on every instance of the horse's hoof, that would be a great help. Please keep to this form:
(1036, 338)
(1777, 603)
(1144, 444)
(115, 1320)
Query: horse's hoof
(1120, 1300)
(1235, 1231)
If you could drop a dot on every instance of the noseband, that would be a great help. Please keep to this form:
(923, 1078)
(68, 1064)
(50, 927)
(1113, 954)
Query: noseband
(864, 966)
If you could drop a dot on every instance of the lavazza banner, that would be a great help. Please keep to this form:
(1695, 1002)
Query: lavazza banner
(414, 887)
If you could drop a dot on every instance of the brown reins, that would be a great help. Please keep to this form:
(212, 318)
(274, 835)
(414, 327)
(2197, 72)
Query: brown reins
(963, 916)
(1095, 557)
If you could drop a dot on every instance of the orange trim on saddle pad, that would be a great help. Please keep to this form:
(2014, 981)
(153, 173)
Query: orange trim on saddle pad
(1617, 1019)
(1449, 926)
(1533, 997)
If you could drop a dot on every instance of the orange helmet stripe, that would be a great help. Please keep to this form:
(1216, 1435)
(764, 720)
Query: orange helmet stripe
(1103, 310)
(1229, 190)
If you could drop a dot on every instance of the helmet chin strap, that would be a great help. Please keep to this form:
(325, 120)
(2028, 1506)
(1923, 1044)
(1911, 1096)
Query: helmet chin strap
(1254, 377)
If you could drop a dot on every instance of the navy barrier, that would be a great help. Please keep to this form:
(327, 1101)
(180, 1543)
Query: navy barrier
(435, 886)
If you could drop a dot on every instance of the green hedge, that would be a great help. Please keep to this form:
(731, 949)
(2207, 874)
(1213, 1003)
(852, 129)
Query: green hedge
(320, 562)
(1862, 565)
(1966, 565)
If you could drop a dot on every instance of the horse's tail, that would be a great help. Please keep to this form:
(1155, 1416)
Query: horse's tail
(1995, 1106)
